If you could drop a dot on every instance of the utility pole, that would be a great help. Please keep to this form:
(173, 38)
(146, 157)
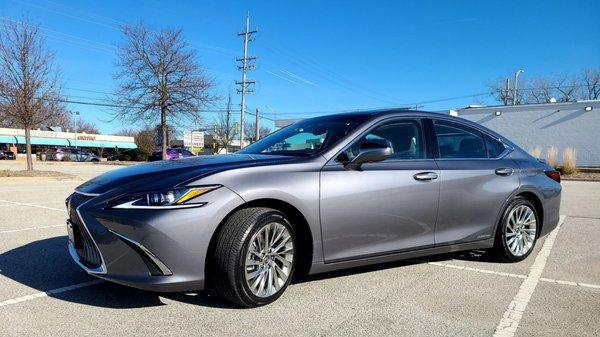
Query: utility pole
(246, 64)
(506, 91)
(227, 128)
(515, 92)
(257, 124)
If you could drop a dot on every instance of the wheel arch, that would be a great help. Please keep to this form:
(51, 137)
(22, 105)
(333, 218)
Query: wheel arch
(537, 203)
(297, 219)
(528, 194)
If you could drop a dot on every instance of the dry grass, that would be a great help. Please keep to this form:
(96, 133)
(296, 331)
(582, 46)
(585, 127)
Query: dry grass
(536, 152)
(552, 156)
(569, 161)
(35, 173)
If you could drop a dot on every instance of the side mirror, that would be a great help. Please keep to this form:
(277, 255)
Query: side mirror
(369, 155)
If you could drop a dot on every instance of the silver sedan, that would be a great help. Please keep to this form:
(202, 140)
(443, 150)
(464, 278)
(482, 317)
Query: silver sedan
(323, 194)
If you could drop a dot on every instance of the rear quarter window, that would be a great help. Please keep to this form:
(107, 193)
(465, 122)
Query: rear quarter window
(494, 146)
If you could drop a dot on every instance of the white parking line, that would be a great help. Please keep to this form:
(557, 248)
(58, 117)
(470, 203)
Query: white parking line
(484, 271)
(34, 205)
(570, 283)
(30, 229)
(49, 292)
(511, 318)
(521, 276)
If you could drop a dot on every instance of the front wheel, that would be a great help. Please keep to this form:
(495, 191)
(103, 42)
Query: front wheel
(254, 256)
(517, 231)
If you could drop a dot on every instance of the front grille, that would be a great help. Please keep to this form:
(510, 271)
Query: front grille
(84, 245)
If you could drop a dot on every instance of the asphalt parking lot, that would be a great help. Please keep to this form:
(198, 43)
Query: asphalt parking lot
(556, 291)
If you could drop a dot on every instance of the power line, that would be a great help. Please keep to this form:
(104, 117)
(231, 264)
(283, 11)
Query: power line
(428, 101)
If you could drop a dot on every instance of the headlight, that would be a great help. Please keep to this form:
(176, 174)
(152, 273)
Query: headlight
(175, 198)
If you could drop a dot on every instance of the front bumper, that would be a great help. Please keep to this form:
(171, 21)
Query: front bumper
(158, 250)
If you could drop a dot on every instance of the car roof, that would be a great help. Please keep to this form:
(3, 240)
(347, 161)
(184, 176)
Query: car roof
(368, 114)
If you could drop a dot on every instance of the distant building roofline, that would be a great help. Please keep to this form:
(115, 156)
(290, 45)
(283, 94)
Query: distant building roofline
(501, 106)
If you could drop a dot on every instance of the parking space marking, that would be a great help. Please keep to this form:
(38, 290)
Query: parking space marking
(49, 292)
(484, 271)
(34, 205)
(511, 318)
(30, 229)
(570, 283)
(521, 276)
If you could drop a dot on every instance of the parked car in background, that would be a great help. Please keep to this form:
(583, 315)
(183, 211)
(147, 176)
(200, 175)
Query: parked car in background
(171, 154)
(325, 193)
(7, 155)
(70, 154)
(129, 155)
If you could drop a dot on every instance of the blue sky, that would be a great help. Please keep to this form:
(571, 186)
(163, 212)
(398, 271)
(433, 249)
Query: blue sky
(324, 56)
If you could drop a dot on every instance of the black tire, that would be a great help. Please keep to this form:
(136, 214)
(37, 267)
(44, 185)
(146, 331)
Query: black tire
(501, 249)
(231, 247)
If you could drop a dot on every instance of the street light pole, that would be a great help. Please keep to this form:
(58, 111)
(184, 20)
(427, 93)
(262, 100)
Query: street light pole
(515, 92)
(75, 124)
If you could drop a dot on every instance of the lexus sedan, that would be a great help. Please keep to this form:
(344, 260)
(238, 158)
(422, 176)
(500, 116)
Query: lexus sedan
(322, 194)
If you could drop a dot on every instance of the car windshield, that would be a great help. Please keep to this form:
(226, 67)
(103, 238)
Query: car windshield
(306, 137)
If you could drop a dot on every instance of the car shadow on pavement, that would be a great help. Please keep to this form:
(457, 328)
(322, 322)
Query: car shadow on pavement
(46, 265)
(475, 255)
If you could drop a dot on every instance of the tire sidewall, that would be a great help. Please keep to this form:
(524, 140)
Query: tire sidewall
(502, 229)
(260, 222)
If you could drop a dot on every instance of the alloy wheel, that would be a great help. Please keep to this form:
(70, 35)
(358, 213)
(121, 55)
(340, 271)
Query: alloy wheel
(521, 230)
(269, 259)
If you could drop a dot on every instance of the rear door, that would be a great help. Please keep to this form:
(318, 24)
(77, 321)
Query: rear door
(385, 207)
(477, 177)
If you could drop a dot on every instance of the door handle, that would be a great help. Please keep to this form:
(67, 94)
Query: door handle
(424, 176)
(504, 171)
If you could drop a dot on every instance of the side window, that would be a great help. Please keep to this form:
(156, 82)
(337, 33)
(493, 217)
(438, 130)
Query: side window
(459, 141)
(404, 136)
(494, 146)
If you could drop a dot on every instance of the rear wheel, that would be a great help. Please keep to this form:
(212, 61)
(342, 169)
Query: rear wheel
(254, 256)
(517, 231)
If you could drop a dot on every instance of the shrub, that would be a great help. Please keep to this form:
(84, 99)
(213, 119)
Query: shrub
(552, 156)
(569, 161)
(536, 152)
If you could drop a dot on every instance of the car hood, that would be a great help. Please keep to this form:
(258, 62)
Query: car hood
(170, 173)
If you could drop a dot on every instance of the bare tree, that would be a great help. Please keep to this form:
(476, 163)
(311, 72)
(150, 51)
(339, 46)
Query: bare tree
(562, 87)
(81, 126)
(87, 127)
(250, 131)
(29, 85)
(159, 76)
(538, 90)
(566, 88)
(591, 82)
(128, 132)
(499, 92)
(224, 130)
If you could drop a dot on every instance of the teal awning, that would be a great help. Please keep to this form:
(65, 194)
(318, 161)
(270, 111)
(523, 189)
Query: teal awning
(102, 143)
(120, 145)
(68, 142)
(7, 140)
(44, 141)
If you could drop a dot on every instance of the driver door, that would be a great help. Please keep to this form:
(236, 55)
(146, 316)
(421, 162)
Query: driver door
(385, 207)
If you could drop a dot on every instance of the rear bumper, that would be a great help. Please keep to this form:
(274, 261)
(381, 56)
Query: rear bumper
(157, 250)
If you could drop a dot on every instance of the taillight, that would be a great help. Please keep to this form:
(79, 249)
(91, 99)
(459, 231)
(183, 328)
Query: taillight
(554, 175)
